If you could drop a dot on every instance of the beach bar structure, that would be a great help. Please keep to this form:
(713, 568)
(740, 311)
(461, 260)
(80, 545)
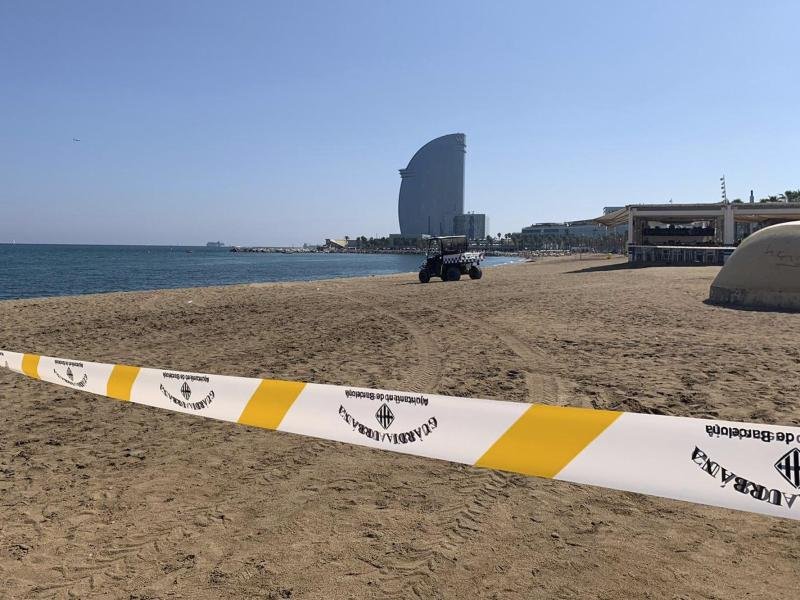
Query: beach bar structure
(691, 234)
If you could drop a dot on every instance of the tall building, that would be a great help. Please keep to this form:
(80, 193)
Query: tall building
(472, 225)
(432, 187)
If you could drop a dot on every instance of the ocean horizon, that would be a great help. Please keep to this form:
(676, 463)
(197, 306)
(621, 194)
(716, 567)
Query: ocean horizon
(45, 270)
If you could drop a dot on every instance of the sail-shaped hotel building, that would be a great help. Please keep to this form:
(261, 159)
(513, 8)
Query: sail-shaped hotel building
(432, 187)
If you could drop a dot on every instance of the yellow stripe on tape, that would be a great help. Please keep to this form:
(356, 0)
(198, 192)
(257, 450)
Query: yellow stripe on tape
(30, 365)
(120, 382)
(270, 403)
(545, 439)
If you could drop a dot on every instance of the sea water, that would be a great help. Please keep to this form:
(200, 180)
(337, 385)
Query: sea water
(38, 270)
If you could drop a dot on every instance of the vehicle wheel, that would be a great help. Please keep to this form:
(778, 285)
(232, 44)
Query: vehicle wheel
(424, 276)
(475, 272)
(453, 274)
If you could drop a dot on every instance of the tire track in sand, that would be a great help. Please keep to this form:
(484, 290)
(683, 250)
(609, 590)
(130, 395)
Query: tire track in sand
(424, 374)
(412, 569)
(542, 386)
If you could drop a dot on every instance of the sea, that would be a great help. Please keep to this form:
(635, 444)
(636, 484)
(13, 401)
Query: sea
(41, 270)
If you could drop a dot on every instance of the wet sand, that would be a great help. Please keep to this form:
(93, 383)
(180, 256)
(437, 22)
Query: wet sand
(101, 499)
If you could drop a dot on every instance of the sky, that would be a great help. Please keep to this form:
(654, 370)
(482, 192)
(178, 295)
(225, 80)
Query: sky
(278, 123)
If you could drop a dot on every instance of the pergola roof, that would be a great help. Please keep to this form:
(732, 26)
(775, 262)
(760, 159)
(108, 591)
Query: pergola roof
(612, 219)
(753, 213)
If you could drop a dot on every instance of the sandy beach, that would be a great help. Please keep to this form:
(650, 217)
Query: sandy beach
(102, 499)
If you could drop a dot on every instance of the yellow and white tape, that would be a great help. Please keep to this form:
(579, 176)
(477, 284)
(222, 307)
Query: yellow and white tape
(743, 466)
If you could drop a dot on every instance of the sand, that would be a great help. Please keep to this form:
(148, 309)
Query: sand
(101, 499)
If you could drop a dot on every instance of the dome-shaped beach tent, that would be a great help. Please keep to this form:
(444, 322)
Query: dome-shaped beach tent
(764, 271)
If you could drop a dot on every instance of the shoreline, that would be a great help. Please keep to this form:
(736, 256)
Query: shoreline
(252, 283)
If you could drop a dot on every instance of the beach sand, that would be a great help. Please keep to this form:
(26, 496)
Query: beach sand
(102, 499)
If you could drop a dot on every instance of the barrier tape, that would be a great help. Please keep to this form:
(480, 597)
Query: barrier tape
(743, 466)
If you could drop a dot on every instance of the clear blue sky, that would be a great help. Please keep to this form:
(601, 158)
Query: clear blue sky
(286, 122)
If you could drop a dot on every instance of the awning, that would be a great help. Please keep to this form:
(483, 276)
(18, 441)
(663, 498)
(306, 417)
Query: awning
(613, 219)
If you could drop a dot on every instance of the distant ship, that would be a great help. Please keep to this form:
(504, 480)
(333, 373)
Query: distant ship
(215, 245)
